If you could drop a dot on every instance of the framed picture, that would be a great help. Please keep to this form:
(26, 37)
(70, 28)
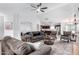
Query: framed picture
(8, 26)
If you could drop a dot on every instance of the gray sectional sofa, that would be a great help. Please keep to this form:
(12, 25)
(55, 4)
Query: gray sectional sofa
(13, 46)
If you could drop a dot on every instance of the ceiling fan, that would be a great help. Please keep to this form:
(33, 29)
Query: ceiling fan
(38, 7)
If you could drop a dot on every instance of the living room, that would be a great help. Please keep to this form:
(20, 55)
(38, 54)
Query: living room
(45, 28)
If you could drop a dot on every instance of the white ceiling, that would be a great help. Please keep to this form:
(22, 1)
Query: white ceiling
(20, 6)
(55, 10)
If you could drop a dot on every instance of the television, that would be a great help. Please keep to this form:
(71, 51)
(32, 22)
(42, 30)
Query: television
(45, 27)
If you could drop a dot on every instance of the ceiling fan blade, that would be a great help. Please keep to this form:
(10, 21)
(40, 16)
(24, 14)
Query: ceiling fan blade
(33, 6)
(42, 11)
(44, 8)
(39, 5)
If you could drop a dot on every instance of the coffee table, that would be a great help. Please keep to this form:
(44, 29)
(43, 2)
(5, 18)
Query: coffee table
(49, 40)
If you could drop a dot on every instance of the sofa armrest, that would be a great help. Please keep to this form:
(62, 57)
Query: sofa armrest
(45, 50)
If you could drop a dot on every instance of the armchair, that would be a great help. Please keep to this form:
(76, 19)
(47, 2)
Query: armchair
(66, 36)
